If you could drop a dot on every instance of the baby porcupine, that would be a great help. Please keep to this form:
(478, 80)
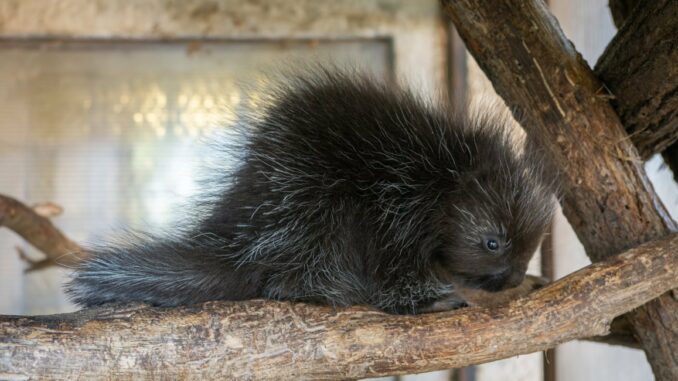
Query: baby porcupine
(349, 192)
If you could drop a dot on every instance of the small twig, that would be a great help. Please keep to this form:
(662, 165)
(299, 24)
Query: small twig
(47, 209)
(35, 228)
(33, 264)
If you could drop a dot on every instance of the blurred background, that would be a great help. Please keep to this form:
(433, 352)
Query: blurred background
(106, 105)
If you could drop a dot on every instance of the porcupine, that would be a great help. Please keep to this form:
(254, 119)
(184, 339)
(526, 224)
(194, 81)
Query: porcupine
(350, 191)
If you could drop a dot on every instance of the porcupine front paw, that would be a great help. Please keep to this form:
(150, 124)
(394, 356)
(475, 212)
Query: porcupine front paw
(446, 303)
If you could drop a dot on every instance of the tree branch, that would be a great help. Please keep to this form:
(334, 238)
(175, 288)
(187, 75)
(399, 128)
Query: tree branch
(638, 68)
(621, 332)
(39, 232)
(671, 159)
(272, 340)
(621, 10)
(648, 13)
(608, 199)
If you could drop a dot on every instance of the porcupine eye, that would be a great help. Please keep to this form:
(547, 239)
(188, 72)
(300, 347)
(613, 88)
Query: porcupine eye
(491, 244)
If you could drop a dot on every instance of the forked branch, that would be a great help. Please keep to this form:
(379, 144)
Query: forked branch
(608, 199)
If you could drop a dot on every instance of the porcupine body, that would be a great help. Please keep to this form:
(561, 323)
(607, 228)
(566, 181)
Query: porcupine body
(349, 192)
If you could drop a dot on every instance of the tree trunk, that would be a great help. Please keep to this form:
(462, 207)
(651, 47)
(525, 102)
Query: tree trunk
(671, 159)
(639, 68)
(268, 340)
(621, 10)
(607, 197)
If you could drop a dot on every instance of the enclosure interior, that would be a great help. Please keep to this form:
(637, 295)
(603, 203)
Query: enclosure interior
(117, 131)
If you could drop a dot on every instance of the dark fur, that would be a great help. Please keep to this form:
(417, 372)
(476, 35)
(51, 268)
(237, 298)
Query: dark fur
(350, 192)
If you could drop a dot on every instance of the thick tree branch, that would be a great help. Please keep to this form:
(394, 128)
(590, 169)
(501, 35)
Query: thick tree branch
(621, 10)
(39, 232)
(657, 98)
(273, 340)
(608, 198)
(639, 69)
(671, 159)
(621, 332)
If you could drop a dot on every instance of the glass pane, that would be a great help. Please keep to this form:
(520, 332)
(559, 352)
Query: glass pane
(113, 131)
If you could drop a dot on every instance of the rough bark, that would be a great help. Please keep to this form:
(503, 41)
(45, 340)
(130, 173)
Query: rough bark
(671, 159)
(607, 196)
(39, 232)
(639, 69)
(274, 340)
(621, 332)
(621, 10)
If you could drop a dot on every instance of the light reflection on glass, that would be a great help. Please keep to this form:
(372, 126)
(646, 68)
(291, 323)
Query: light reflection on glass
(112, 131)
